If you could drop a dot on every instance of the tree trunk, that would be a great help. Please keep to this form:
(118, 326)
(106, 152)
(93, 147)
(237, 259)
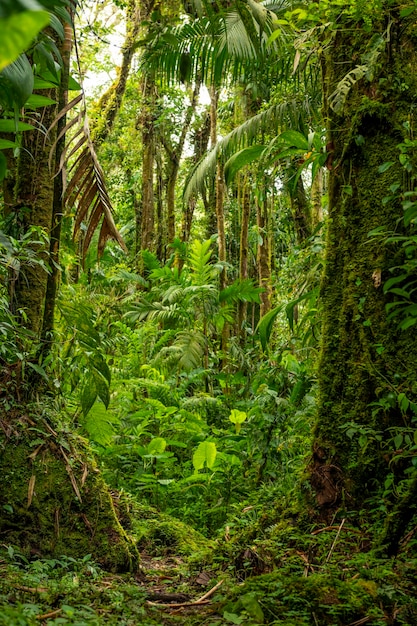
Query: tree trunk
(244, 253)
(34, 207)
(147, 209)
(58, 205)
(300, 211)
(364, 357)
(264, 267)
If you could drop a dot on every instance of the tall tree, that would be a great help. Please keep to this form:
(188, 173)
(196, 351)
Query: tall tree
(364, 356)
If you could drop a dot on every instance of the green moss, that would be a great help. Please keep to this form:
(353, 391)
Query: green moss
(158, 533)
(56, 501)
(319, 599)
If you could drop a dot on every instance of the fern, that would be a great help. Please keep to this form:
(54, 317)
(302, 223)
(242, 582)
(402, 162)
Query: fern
(100, 424)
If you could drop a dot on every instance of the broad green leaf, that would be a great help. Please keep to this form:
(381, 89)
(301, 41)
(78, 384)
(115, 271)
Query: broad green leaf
(36, 102)
(17, 33)
(10, 126)
(99, 363)
(204, 455)
(41, 83)
(16, 83)
(5, 144)
(294, 138)
(264, 327)
(99, 424)
(239, 160)
(237, 418)
(88, 396)
(102, 387)
(398, 439)
(385, 166)
(157, 446)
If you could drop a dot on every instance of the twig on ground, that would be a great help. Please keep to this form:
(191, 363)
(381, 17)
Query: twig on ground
(335, 540)
(200, 601)
(48, 615)
(176, 606)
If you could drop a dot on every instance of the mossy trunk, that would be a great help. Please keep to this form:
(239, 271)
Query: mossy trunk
(33, 206)
(364, 357)
(55, 501)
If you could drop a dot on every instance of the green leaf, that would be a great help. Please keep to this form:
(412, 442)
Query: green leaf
(237, 418)
(102, 387)
(398, 439)
(73, 85)
(265, 325)
(88, 396)
(10, 126)
(99, 424)
(17, 33)
(295, 139)
(156, 446)
(385, 166)
(41, 83)
(204, 455)
(38, 369)
(3, 166)
(5, 144)
(37, 102)
(407, 11)
(16, 83)
(239, 160)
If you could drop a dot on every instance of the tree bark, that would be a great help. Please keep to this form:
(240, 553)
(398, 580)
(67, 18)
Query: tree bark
(363, 354)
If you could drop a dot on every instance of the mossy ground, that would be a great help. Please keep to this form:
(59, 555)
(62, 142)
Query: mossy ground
(275, 570)
(53, 499)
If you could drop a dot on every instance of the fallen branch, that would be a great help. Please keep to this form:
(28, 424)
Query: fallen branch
(359, 622)
(210, 593)
(322, 530)
(199, 602)
(176, 606)
(48, 615)
(335, 540)
(31, 589)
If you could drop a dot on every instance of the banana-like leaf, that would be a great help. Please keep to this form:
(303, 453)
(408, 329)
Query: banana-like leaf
(17, 33)
(16, 83)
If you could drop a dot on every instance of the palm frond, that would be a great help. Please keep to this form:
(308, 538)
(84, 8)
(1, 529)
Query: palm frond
(293, 113)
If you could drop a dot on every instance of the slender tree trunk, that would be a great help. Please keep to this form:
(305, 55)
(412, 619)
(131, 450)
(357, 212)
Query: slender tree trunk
(58, 207)
(210, 206)
(301, 211)
(316, 198)
(161, 239)
(244, 252)
(110, 102)
(201, 139)
(147, 225)
(264, 268)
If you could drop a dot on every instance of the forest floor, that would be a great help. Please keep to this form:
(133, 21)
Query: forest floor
(270, 573)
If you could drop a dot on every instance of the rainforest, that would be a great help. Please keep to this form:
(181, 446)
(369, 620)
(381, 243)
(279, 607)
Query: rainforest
(208, 312)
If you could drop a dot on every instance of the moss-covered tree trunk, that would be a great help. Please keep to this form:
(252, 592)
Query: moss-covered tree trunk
(33, 206)
(365, 359)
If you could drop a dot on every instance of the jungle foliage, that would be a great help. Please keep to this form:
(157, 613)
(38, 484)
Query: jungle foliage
(208, 341)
